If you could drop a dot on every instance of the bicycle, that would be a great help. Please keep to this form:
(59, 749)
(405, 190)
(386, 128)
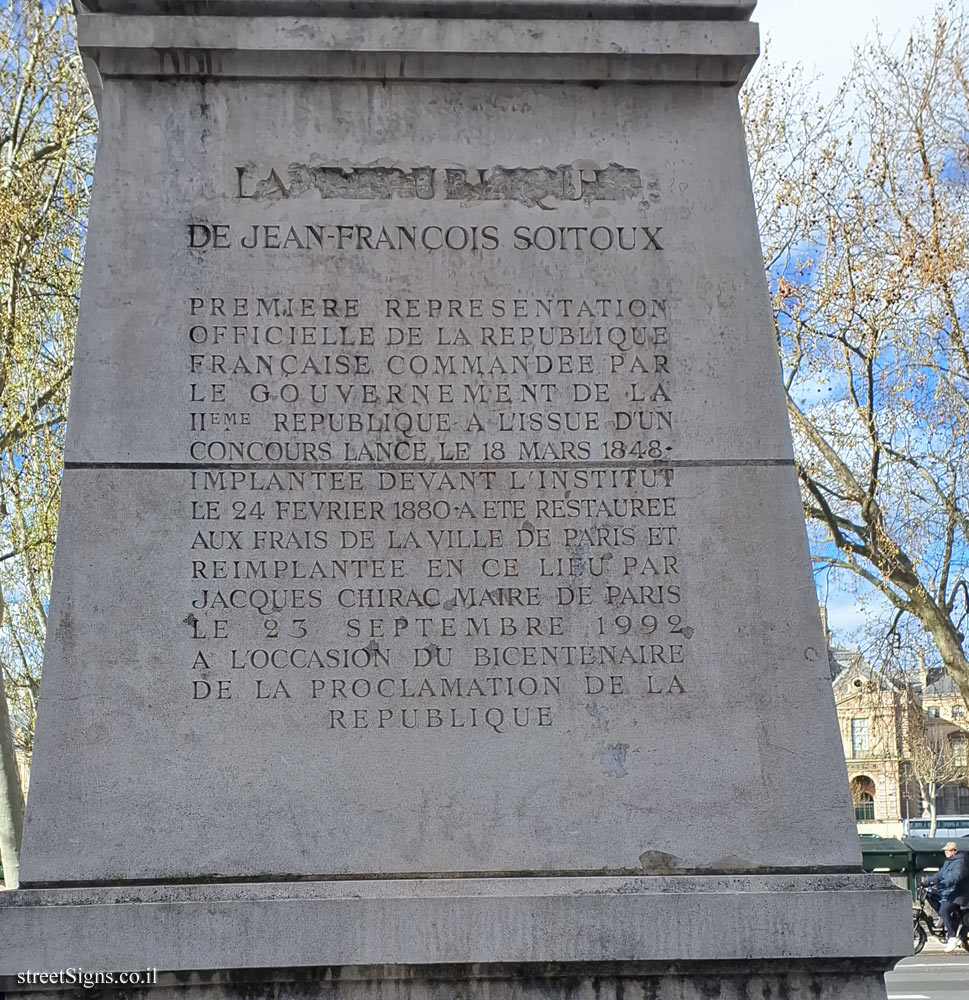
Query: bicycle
(924, 924)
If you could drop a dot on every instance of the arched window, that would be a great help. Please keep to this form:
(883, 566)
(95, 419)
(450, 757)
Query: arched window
(863, 798)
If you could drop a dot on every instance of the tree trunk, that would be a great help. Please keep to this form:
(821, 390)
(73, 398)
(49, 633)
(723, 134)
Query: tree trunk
(11, 801)
(947, 638)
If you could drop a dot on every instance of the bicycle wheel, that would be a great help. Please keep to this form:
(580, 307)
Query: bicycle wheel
(920, 937)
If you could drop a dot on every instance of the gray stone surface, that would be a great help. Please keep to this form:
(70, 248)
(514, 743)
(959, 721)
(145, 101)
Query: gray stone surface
(429, 510)
(558, 981)
(383, 48)
(609, 781)
(697, 10)
(695, 550)
(699, 920)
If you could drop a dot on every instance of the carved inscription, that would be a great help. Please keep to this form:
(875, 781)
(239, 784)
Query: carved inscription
(423, 513)
(530, 186)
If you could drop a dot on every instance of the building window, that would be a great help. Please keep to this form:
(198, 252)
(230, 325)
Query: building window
(958, 712)
(863, 798)
(933, 712)
(960, 750)
(859, 737)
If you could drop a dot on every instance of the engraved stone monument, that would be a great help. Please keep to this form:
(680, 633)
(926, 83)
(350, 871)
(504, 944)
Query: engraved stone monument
(432, 609)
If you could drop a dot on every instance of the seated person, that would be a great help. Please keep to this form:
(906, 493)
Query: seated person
(950, 890)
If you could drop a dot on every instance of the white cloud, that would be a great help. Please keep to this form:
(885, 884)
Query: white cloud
(822, 35)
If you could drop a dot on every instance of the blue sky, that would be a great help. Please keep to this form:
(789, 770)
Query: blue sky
(822, 36)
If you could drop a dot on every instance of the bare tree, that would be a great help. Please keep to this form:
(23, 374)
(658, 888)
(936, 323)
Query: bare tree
(864, 208)
(11, 801)
(933, 762)
(47, 129)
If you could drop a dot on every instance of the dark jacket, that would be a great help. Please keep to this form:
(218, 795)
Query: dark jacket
(952, 880)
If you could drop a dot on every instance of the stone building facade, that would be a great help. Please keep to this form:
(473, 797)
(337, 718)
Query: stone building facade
(885, 724)
(946, 708)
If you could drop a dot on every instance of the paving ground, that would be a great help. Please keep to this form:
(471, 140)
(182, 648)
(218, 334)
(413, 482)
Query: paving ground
(932, 975)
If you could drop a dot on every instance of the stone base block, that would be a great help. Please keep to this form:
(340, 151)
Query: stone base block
(658, 937)
(565, 981)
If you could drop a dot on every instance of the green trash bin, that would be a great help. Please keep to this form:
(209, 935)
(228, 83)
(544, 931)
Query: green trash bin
(928, 856)
(887, 854)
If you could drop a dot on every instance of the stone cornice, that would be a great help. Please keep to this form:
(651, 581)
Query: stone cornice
(635, 10)
(705, 52)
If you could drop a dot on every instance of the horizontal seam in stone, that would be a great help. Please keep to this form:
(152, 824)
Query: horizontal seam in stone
(435, 466)
(228, 880)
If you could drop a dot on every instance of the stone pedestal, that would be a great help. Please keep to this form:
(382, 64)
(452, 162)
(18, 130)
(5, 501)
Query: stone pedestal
(665, 937)
(432, 607)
